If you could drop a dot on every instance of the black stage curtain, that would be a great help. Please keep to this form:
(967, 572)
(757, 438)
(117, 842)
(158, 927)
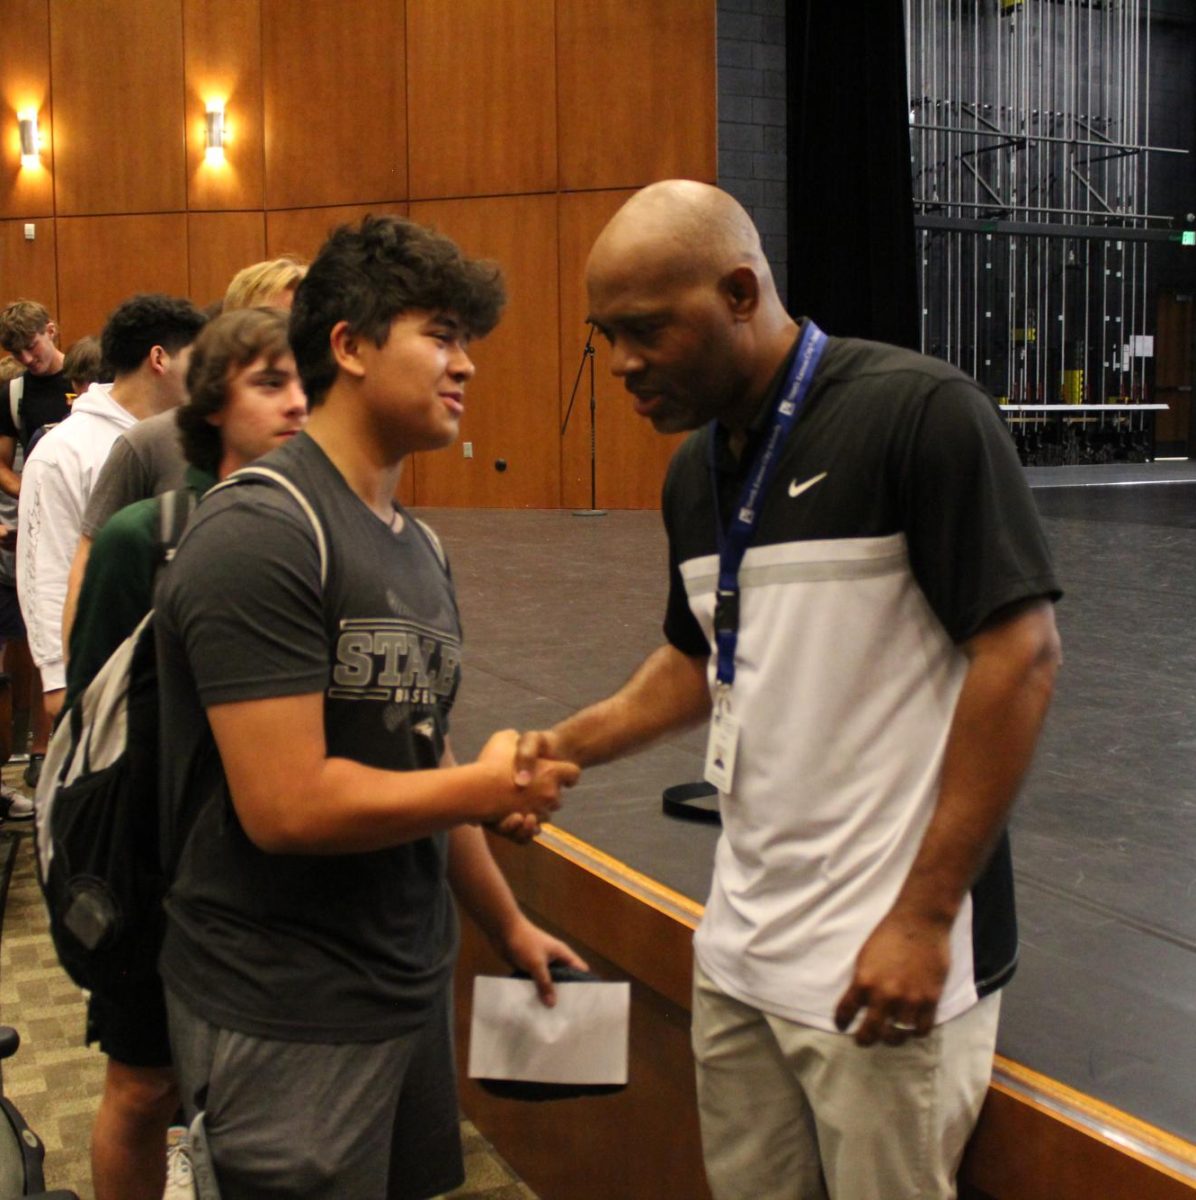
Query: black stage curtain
(851, 221)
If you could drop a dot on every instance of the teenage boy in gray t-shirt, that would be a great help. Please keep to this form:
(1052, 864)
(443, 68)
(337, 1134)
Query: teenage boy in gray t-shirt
(319, 824)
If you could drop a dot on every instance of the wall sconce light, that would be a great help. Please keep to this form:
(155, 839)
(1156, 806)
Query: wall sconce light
(30, 138)
(214, 132)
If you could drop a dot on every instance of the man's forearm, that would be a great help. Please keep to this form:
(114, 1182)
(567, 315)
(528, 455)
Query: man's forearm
(902, 966)
(996, 725)
(669, 691)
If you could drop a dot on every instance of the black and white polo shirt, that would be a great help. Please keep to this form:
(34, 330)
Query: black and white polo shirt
(897, 523)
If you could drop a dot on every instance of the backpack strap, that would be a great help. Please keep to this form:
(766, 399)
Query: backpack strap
(174, 511)
(279, 478)
(433, 541)
(16, 391)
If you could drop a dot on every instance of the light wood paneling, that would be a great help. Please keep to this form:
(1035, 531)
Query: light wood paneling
(631, 457)
(511, 406)
(118, 106)
(509, 99)
(27, 268)
(334, 102)
(637, 92)
(302, 231)
(222, 41)
(139, 254)
(607, 913)
(481, 91)
(661, 1158)
(25, 83)
(1040, 1140)
(218, 246)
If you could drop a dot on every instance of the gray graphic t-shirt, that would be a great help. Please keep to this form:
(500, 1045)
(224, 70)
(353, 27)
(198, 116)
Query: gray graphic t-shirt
(346, 947)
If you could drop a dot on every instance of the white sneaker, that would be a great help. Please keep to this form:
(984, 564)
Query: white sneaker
(180, 1183)
(15, 805)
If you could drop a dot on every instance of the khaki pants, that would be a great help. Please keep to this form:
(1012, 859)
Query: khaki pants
(794, 1113)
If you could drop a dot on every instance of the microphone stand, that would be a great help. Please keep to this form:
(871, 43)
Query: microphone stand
(587, 354)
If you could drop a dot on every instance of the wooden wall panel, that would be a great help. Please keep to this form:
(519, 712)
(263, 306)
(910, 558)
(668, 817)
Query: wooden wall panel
(511, 406)
(1041, 1140)
(222, 43)
(28, 268)
(497, 59)
(302, 231)
(517, 99)
(662, 1158)
(637, 89)
(335, 107)
(118, 106)
(627, 927)
(25, 83)
(139, 254)
(218, 246)
(631, 457)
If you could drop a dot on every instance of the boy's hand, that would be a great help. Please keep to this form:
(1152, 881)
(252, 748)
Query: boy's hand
(529, 948)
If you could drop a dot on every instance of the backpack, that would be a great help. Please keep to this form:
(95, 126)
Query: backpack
(16, 393)
(100, 864)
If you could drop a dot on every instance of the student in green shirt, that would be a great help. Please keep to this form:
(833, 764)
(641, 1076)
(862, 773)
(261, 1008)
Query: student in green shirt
(245, 399)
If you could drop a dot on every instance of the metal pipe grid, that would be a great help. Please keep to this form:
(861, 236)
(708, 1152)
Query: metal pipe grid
(1034, 113)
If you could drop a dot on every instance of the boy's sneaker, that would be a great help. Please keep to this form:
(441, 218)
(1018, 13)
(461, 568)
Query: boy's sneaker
(14, 805)
(180, 1182)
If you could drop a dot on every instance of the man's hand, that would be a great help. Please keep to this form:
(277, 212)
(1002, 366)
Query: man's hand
(528, 948)
(534, 746)
(533, 749)
(8, 537)
(539, 782)
(898, 980)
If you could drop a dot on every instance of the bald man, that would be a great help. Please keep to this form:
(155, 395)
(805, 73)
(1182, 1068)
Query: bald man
(861, 605)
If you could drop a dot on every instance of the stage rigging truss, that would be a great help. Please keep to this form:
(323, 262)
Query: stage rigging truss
(1031, 158)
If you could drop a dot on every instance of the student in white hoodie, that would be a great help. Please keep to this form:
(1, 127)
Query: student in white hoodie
(146, 345)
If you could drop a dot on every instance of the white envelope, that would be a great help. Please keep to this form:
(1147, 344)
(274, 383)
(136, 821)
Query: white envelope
(581, 1040)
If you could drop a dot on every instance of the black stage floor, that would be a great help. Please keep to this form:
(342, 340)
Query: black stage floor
(559, 609)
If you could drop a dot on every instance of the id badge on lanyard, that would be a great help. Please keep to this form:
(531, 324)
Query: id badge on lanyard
(723, 742)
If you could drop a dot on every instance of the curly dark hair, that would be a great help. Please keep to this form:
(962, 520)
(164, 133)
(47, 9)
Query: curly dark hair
(227, 344)
(369, 274)
(142, 322)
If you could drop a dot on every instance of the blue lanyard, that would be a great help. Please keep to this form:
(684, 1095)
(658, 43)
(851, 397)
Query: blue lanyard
(791, 398)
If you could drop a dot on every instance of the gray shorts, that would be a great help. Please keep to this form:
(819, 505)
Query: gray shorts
(312, 1121)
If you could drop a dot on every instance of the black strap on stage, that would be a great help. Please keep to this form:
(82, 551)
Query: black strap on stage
(691, 802)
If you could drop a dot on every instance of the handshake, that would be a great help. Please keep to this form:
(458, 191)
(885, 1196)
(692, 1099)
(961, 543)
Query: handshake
(533, 769)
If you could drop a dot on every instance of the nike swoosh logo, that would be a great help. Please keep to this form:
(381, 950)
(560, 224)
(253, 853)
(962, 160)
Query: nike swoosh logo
(796, 489)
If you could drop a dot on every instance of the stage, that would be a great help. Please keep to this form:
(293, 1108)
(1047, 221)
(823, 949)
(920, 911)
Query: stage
(558, 610)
